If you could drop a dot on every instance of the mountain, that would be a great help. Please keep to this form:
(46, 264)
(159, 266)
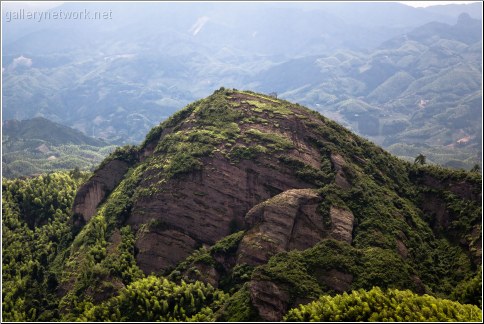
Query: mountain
(117, 78)
(472, 9)
(418, 92)
(38, 145)
(241, 207)
(45, 130)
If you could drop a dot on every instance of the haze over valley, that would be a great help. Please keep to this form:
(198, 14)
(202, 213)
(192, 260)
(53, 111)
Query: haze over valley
(406, 78)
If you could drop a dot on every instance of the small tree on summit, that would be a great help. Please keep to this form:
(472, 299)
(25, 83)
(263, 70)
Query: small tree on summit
(420, 159)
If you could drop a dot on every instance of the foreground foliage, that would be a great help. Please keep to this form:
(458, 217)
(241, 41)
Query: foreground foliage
(376, 305)
(157, 299)
(35, 232)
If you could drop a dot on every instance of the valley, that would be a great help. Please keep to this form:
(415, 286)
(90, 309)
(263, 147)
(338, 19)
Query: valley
(412, 86)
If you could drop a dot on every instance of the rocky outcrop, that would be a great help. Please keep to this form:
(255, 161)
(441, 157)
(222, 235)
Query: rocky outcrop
(98, 187)
(338, 165)
(205, 205)
(402, 249)
(290, 221)
(270, 300)
(285, 222)
(341, 224)
(162, 248)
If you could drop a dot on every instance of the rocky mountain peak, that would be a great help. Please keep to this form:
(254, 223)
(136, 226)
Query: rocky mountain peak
(251, 193)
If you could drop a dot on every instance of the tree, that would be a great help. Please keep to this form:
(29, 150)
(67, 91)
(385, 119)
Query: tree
(420, 159)
(76, 173)
(378, 305)
(476, 168)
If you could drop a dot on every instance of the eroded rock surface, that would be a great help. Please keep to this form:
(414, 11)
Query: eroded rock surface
(290, 221)
(167, 247)
(269, 299)
(285, 222)
(341, 224)
(98, 187)
(338, 165)
(206, 205)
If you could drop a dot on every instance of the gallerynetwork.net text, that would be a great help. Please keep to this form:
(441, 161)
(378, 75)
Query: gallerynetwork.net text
(40, 16)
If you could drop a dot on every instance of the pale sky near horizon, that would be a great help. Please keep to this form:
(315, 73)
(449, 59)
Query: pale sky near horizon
(422, 4)
(46, 5)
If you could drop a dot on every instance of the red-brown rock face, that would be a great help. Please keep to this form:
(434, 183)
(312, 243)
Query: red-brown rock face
(290, 221)
(98, 187)
(285, 222)
(269, 299)
(203, 207)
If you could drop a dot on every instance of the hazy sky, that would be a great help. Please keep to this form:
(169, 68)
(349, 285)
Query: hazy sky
(432, 3)
(45, 5)
(30, 5)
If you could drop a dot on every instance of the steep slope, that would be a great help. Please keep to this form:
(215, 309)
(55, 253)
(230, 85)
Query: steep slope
(274, 204)
(38, 145)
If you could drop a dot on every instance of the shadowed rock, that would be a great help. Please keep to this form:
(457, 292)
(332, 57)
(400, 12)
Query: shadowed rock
(98, 187)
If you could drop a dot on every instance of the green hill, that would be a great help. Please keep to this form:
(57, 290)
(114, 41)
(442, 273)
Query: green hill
(38, 145)
(241, 207)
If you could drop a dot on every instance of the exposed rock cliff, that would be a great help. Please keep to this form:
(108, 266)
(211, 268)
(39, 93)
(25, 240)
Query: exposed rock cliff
(285, 222)
(98, 187)
(201, 208)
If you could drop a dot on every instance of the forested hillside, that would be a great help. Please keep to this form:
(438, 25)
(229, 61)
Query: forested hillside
(245, 207)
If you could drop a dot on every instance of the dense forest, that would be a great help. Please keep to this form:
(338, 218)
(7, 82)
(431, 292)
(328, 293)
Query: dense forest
(37, 233)
(369, 236)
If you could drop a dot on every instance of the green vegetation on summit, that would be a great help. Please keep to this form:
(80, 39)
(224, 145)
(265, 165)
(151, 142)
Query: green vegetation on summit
(245, 207)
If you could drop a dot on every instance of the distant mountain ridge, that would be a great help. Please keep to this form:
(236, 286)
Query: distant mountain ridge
(39, 145)
(40, 128)
(420, 91)
(151, 60)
